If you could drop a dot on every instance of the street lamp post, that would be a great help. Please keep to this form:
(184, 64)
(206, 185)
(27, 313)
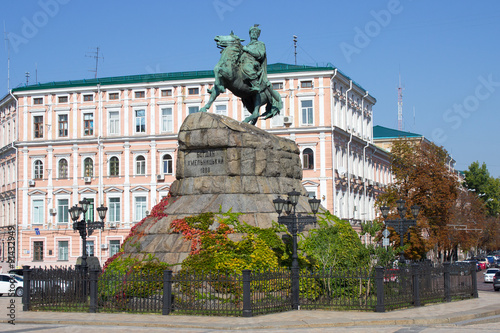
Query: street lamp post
(402, 224)
(86, 228)
(295, 223)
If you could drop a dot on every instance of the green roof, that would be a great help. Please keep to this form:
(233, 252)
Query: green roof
(130, 79)
(380, 132)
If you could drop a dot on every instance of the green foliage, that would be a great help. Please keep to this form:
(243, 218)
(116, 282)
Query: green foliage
(487, 188)
(335, 244)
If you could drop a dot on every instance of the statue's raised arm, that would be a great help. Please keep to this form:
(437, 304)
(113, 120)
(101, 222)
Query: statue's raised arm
(243, 70)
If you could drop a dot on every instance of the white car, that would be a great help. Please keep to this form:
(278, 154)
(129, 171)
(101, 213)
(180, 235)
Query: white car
(11, 284)
(489, 274)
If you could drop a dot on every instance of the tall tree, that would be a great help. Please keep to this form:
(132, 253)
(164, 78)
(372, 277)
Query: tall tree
(487, 188)
(422, 177)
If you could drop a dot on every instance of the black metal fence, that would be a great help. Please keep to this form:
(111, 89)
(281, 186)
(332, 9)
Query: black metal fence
(249, 294)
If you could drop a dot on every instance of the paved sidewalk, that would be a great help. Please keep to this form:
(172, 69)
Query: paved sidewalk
(487, 305)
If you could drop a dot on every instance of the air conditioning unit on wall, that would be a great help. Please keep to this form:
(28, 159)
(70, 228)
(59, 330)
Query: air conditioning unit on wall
(104, 246)
(31, 182)
(160, 177)
(288, 120)
(87, 179)
(52, 211)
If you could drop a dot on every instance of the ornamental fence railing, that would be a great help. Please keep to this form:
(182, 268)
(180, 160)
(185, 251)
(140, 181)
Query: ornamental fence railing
(248, 294)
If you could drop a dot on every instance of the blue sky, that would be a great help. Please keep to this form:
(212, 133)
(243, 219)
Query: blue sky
(447, 52)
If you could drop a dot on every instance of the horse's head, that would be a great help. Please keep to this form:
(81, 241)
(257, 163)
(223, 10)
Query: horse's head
(228, 40)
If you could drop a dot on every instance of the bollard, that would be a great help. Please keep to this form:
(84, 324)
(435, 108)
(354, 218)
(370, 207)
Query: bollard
(247, 302)
(379, 283)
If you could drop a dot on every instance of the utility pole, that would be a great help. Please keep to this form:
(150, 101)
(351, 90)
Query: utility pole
(96, 56)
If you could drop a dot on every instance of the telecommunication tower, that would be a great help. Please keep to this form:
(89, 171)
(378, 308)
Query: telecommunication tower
(400, 105)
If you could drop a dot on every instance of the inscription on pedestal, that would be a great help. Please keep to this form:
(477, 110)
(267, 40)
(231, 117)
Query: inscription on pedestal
(209, 162)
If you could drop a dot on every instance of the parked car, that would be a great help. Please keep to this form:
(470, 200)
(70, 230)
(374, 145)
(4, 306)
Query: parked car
(17, 271)
(11, 283)
(491, 261)
(483, 263)
(478, 267)
(489, 274)
(496, 281)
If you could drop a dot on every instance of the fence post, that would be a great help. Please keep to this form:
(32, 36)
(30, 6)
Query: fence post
(415, 273)
(473, 274)
(167, 292)
(379, 283)
(295, 288)
(93, 289)
(26, 287)
(447, 281)
(247, 301)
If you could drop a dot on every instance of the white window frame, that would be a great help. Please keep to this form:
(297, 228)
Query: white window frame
(192, 106)
(164, 120)
(63, 95)
(112, 92)
(110, 208)
(84, 113)
(193, 87)
(65, 255)
(58, 114)
(166, 89)
(36, 97)
(38, 114)
(162, 164)
(62, 215)
(138, 91)
(135, 120)
(87, 94)
(84, 157)
(40, 211)
(114, 121)
(59, 170)
(112, 250)
(219, 105)
(301, 111)
(140, 209)
(136, 157)
(109, 165)
(35, 168)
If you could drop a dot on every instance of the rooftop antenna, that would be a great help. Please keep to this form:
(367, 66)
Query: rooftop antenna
(295, 47)
(27, 77)
(95, 55)
(400, 104)
(7, 45)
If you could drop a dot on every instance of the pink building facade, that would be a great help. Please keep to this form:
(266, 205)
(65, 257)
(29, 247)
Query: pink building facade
(113, 141)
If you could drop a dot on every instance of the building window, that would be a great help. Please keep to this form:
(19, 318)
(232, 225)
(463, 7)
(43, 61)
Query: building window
(62, 99)
(166, 120)
(63, 125)
(38, 101)
(308, 159)
(114, 122)
(38, 170)
(306, 84)
(166, 92)
(38, 126)
(63, 168)
(62, 253)
(38, 211)
(88, 98)
(114, 166)
(62, 211)
(114, 210)
(88, 167)
(88, 124)
(193, 109)
(221, 109)
(278, 86)
(89, 215)
(139, 94)
(113, 96)
(193, 91)
(140, 165)
(114, 247)
(307, 112)
(140, 208)
(140, 121)
(90, 248)
(37, 251)
(167, 164)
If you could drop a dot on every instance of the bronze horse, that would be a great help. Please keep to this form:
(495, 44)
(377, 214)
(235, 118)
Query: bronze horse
(228, 74)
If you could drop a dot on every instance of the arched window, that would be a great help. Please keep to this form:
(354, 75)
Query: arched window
(167, 164)
(63, 168)
(38, 170)
(140, 165)
(88, 167)
(114, 166)
(307, 159)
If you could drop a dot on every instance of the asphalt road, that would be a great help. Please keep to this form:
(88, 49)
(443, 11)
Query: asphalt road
(484, 286)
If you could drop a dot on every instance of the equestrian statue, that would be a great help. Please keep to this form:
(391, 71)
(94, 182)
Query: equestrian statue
(243, 70)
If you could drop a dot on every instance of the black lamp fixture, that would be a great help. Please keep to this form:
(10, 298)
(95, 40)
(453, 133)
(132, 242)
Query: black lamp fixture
(295, 223)
(402, 224)
(84, 227)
